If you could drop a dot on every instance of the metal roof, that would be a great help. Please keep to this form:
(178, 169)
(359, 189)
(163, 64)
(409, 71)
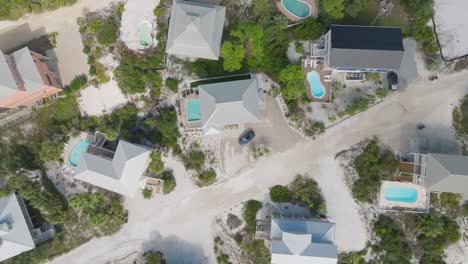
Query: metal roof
(27, 69)
(195, 30)
(302, 241)
(119, 174)
(447, 173)
(366, 47)
(7, 81)
(15, 236)
(228, 103)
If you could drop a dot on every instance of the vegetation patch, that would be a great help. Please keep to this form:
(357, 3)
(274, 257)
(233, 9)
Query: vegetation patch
(460, 118)
(372, 166)
(11, 10)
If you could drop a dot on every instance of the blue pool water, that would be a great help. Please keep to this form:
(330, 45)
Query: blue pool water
(297, 8)
(317, 88)
(77, 151)
(400, 194)
(193, 110)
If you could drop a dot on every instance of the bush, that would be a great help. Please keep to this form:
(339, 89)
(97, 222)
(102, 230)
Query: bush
(280, 194)
(306, 192)
(76, 84)
(194, 160)
(310, 29)
(95, 25)
(147, 193)
(172, 84)
(107, 35)
(50, 150)
(98, 210)
(370, 165)
(251, 208)
(169, 181)
(154, 257)
(460, 118)
(435, 232)
(156, 165)
(166, 133)
(292, 80)
(256, 252)
(207, 177)
(86, 50)
(392, 241)
(381, 92)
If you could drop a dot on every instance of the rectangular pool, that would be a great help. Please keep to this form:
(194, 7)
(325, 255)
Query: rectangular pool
(400, 194)
(193, 110)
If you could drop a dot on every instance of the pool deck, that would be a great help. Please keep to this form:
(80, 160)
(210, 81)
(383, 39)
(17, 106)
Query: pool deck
(183, 112)
(420, 206)
(319, 68)
(313, 11)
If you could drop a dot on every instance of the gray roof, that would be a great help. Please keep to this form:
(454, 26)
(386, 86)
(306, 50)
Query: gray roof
(447, 173)
(27, 69)
(7, 81)
(228, 103)
(121, 174)
(366, 47)
(15, 237)
(302, 241)
(195, 30)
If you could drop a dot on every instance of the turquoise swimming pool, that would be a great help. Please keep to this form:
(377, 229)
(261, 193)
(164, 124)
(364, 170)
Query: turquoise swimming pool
(193, 110)
(77, 151)
(400, 194)
(316, 86)
(297, 8)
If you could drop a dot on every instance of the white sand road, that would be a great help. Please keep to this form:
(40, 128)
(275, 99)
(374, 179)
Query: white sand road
(180, 224)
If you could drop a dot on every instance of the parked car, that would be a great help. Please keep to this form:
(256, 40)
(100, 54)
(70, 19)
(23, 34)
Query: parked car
(392, 81)
(247, 137)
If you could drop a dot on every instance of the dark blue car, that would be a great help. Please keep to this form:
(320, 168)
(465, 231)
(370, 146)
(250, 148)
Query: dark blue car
(247, 137)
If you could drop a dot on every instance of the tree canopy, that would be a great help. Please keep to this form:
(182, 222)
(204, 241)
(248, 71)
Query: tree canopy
(292, 79)
(280, 194)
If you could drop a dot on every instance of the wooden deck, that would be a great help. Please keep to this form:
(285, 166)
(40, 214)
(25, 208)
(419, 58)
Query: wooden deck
(327, 97)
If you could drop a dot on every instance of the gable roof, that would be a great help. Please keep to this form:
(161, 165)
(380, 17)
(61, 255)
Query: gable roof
(27, 69)
(120, 174)
(302, 241)
(7, 81)
(365, 47)
(447, 173)
(228, 103)
(15, 237)
(195, 30)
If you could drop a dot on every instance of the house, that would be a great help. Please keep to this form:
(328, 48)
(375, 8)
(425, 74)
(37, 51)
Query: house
(26, 80)
(15, 234)
(195, 30)
(360, 49)
(446, 173)
(230, 104)
(302, 241)
(120, 171)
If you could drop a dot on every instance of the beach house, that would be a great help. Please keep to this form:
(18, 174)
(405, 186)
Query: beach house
(26, 79)
(120, 171)
(360, 49)
(195, 30)
(302, 241)
(229, 105)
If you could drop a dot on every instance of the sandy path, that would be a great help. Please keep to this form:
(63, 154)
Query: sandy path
(181, 222)
(71, 60)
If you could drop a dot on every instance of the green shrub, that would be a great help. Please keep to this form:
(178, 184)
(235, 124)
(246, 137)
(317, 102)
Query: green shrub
(169, 181)
(194, 160)
(76, 84)
(98, 210)
(147, 193)
(306, 192)
(381, 92)
(92, 70)
(207, 177)
(86, 50)
(107, 35)
(95, 25)
(154, 257)
(370, 166)
(292, 80)
(251, 208)
(280, 194)
(172, 84)
(50, 150)
(392, 241)
(299, 48)
(166, 133)
(156, 165)
(256, 252)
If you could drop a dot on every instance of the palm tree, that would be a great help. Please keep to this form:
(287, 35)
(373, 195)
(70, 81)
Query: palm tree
(281, 21)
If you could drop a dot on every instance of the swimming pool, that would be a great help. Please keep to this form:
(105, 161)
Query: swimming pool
(400, 194)
(77, 151)
(297, 8)
(316, 86)
(193, 110)
(144, 34)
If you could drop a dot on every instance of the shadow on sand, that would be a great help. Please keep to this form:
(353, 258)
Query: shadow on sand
(175, 249)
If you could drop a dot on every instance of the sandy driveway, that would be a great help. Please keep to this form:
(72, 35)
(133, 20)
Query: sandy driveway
(180, 223)
(71, 61)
